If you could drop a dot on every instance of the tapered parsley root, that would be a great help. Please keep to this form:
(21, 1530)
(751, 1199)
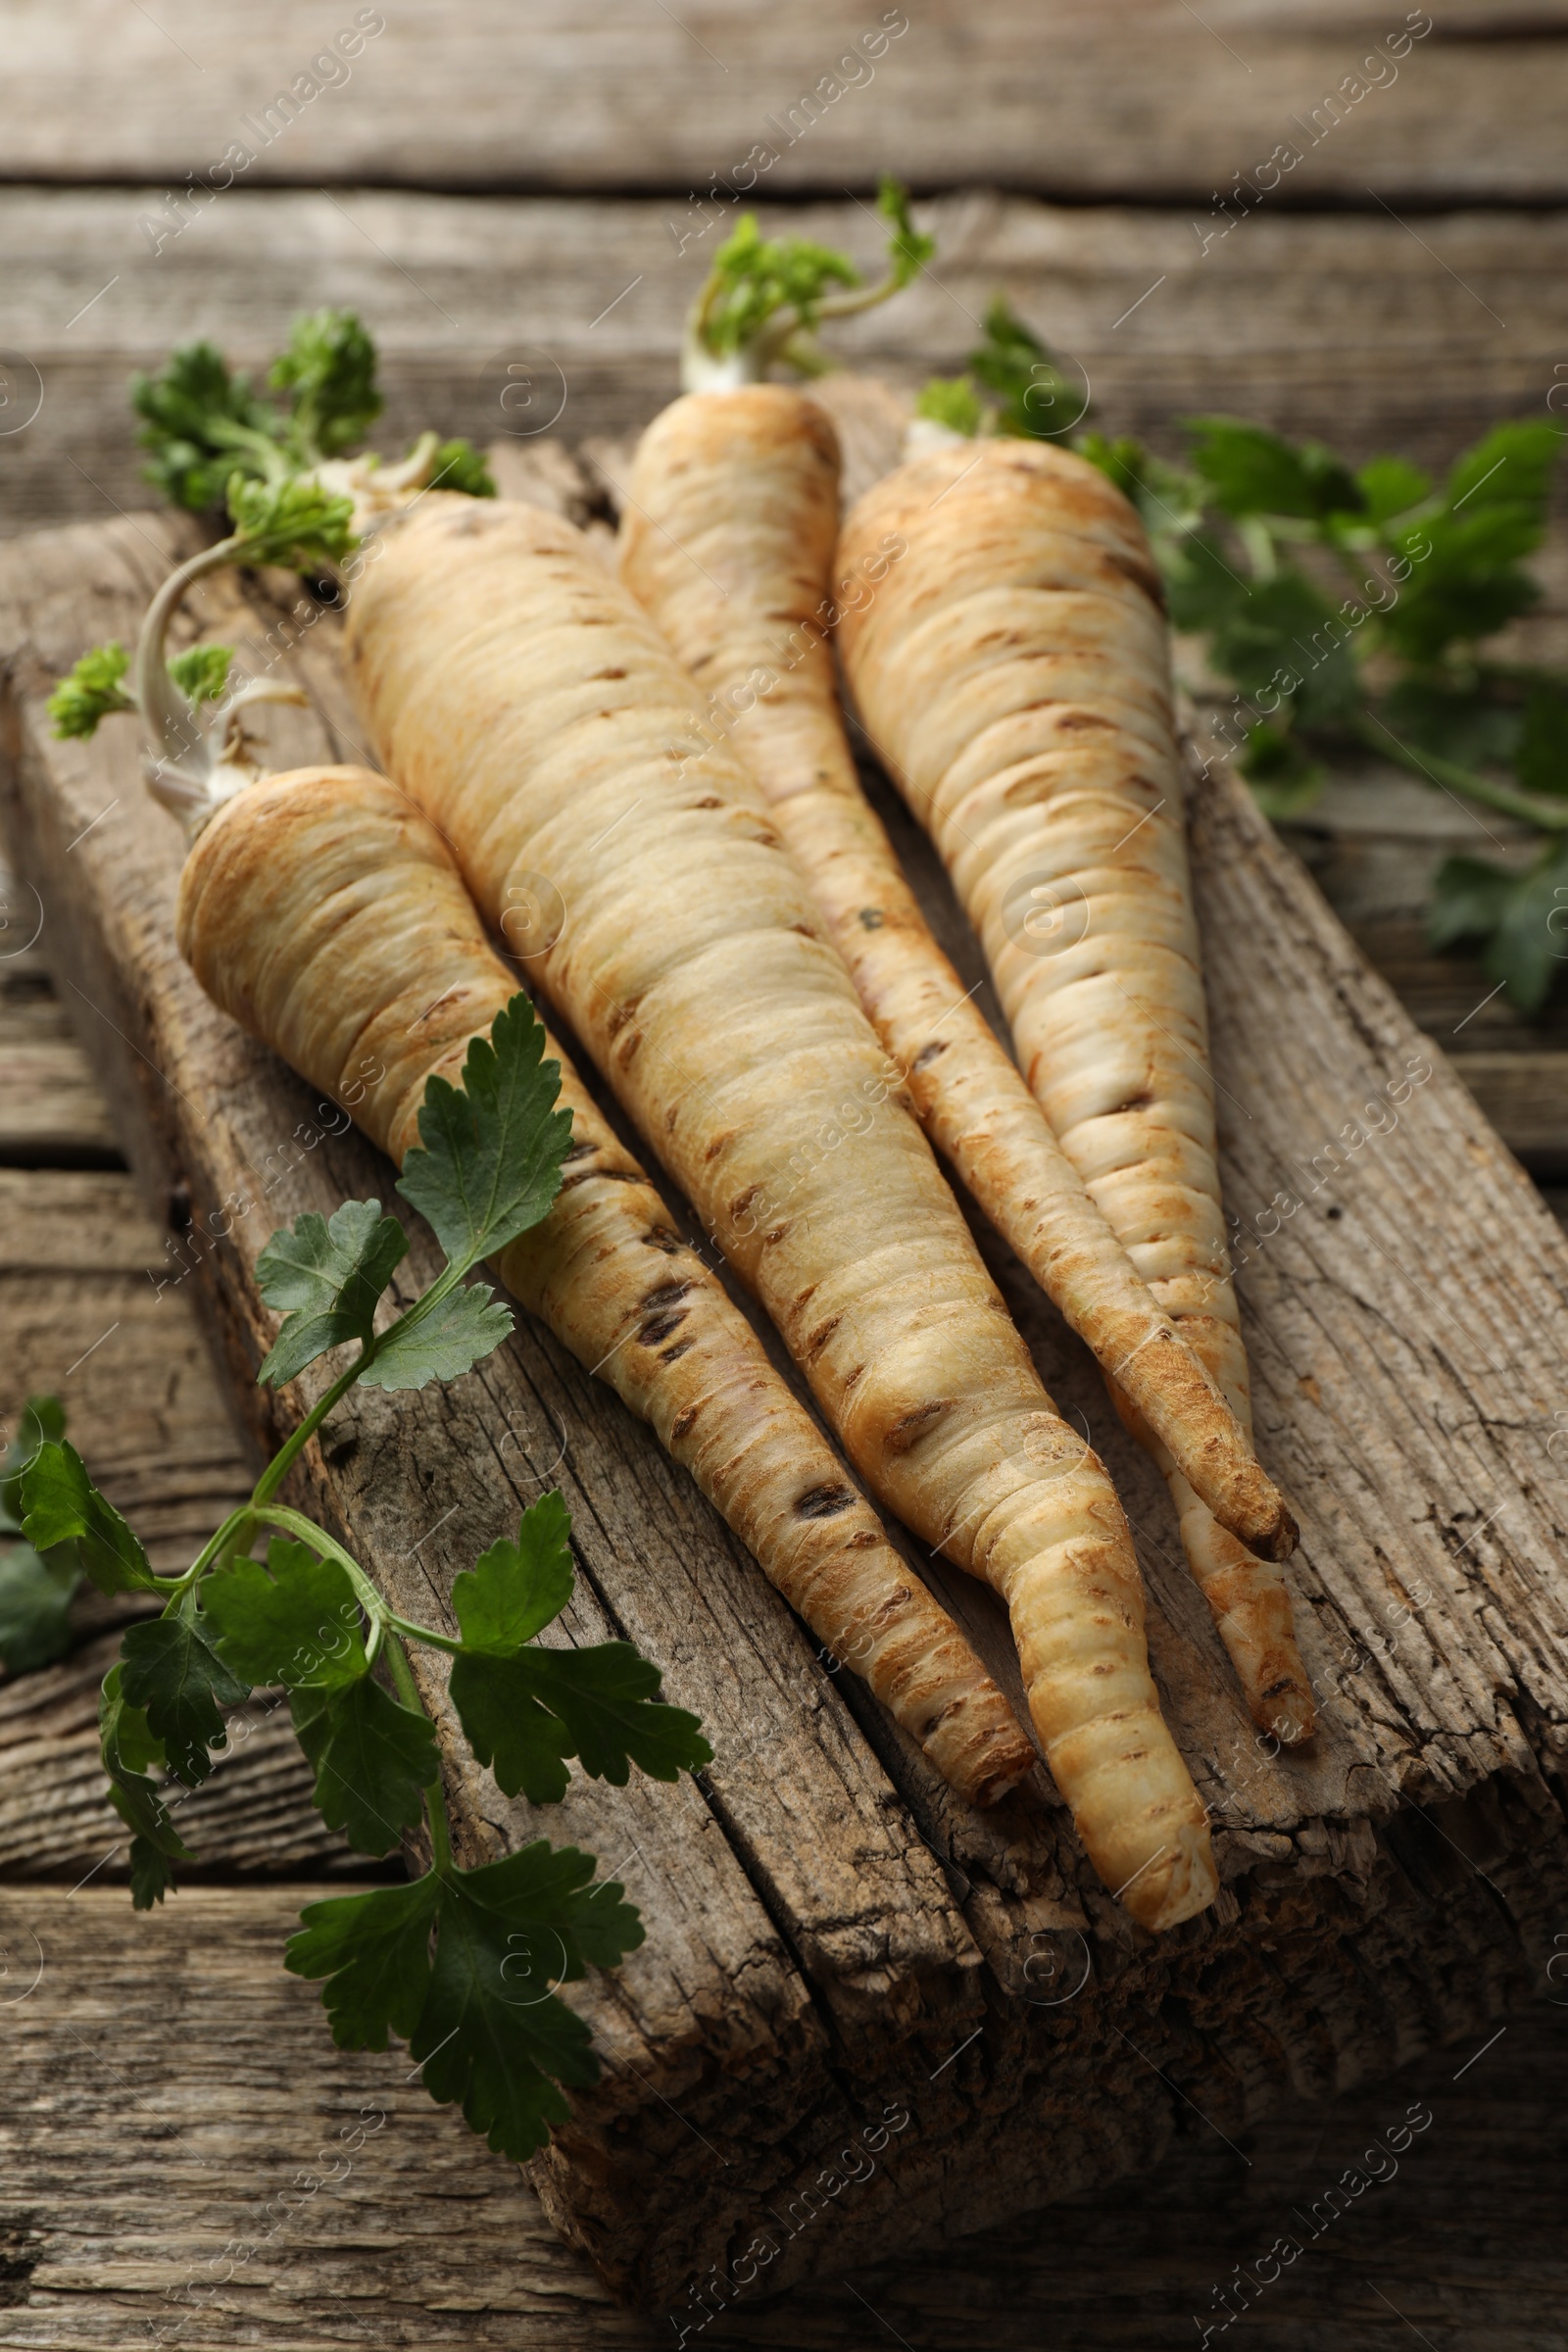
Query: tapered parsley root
(1012, 671)
(517, 692)
(324, 914)
(728, 540)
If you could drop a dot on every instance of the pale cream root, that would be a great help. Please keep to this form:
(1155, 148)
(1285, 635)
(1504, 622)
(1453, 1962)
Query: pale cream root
(324, 914)
(1012, 670)
(728, 539)
(523, 699)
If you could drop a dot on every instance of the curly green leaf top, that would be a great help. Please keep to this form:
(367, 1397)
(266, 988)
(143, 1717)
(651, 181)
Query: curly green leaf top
(93, 690)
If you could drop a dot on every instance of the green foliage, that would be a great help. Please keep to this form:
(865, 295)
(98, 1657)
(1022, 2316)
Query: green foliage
(1035, 398)
(1247, 470)
(292, 522)
(909, 249)
(525, 1710)
(295, 1621)
(755, 277)
(200, 422)
(171, 1671)
(202, 673)
(93, 690)
(62, 1505)
(1521, 920)
(36, 1589)
(374, 1760)
(329, 367)
(766, 294)
(458, 465)
(204, 425)
(952, 401)
(491, 1151)
(329, 1275)
(479, 2009)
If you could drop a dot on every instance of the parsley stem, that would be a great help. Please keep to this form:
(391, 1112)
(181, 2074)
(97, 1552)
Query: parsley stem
(236, 1524)
(423, 1633)
(283, 1460)
(1551, 816)
(295, 1523)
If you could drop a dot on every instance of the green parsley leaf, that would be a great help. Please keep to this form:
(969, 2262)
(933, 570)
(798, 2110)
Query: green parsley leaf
(1542, 762)
(1284, 778)
(490, 1165)
(604, 1700)
(459, 467)
(374, 1951)
(492, 2035)
(374, 1760)
(1250, 471)
(202, 673)
(61, 1504)
(1389, 487)
(151, 1878)
(484, 2019)
(1512, 468)
(1523, 919)
(513, 1589)
(91, 692)
(293, 523)
(43, 1420)
(1454, 723)
(328, 1274)
(296, 1621)
(439, 1341)
(169, 1669)
(909, 249)
(1037, 400)
(952, 401)
(34, 1608)
(329, 367)
(200, 422)
(128, 1748)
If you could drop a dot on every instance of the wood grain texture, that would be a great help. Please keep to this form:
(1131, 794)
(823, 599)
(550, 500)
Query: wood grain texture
(1368, 333)
(1055, 96)
(189, 2162)
(819, 1911)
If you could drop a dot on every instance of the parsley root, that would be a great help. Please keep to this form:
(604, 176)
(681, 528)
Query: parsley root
(523, 697)
(1012, 671)
(727, 538)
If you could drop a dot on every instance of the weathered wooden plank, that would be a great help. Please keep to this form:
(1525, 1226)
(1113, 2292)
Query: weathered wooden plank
(1324, 1963)
(172, 2099)
(1354, 329)
(1055, 96)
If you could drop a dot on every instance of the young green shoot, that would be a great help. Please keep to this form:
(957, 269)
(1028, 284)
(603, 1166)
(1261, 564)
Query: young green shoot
(462, 1963)
(193, 763)
(765, 298)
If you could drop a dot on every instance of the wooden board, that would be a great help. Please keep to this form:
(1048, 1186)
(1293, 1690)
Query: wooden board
(172, 2095)
(808, 1961)
(1365, 331)
(1150, 98)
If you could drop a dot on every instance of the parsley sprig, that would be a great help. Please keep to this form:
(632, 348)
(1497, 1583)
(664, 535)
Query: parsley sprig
(463, 1964)
(1348, 608)
(202, 423)
(765, 297)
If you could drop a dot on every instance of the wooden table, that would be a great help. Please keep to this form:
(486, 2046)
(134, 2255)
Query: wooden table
(169, 2080)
